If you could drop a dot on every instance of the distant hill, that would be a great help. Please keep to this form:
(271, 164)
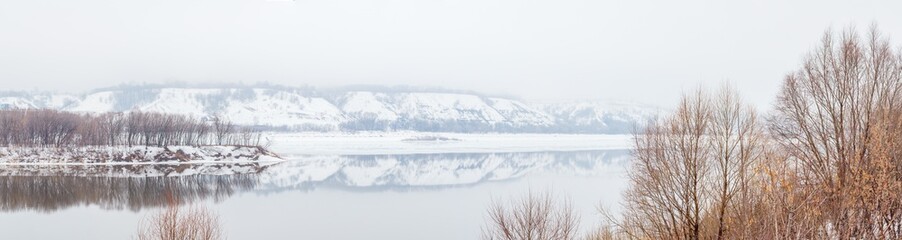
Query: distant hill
(295, 109)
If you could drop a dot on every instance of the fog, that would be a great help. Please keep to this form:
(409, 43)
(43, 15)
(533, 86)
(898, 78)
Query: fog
(645, 51)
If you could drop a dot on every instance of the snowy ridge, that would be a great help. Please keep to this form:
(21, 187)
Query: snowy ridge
(438, 112)
(18, 100)
(601, 116)
(255, 107)
(15, 103)
(300, 110)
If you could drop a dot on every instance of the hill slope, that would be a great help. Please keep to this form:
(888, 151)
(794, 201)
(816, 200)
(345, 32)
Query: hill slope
(294, 109)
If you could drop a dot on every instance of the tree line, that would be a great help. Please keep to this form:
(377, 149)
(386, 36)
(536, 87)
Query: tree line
(826, 163)
(54, 128)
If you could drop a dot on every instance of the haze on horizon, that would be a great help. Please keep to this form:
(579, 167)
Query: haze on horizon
(645, 51)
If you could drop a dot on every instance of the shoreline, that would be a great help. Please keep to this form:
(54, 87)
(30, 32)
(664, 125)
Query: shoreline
(273, 161)
(135, 155)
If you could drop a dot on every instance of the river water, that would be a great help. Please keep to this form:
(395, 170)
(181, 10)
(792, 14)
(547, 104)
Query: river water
(375, 196)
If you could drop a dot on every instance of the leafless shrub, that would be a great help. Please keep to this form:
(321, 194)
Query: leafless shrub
(532, 217)
(175, 223)
(53, 128)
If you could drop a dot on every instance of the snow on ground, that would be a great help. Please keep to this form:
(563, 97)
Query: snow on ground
(135, 170)
(284, 109)
(178, 101)
(125, 155)
(368, 105)
(96, 103)
(124, 161)
(299, 147)
(375, 143)
(14, 103)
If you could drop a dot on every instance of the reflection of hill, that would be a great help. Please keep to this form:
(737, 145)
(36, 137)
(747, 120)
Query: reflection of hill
(105, 186)
(51, 193)
(434, 170)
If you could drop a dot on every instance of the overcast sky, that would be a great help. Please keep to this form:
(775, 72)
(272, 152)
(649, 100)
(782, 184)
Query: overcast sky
(646, 51)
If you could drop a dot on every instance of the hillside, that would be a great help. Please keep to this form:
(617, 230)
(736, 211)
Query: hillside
(304, 110)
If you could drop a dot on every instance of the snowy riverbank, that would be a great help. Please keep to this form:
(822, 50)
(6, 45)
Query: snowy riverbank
(135, 155)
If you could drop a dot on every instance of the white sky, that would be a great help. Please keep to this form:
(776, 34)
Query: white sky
(646, 51)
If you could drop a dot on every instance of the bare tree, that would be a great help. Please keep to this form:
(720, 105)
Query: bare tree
(693, 174)
(222, 129)
(53, 128)
(829, 165)
(667, 193)
(837, 119)
(737, 146)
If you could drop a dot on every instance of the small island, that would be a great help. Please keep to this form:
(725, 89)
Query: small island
(44, 138)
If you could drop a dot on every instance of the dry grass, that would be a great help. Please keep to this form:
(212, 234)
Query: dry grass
(532, 217)
(175, 223)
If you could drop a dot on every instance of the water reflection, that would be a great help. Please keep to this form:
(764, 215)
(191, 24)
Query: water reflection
(431, 171)
(133, 170)
(51, 193)
(116, 187)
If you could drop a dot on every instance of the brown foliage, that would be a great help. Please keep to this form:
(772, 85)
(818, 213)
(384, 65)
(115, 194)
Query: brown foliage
(693, 172)
(828, 165)
(838, 122)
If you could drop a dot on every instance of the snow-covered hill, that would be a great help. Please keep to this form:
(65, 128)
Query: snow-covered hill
(438, 112)
(21, 100)
(600, 116)
(294, 109)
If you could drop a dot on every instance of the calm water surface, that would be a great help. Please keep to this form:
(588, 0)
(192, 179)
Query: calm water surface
(413, 196)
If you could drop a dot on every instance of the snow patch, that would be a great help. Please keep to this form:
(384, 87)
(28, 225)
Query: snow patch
(125, 155)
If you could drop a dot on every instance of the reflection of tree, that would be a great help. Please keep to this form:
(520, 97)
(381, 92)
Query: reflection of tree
(51, 188)
(51, 193)
(132, 170)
